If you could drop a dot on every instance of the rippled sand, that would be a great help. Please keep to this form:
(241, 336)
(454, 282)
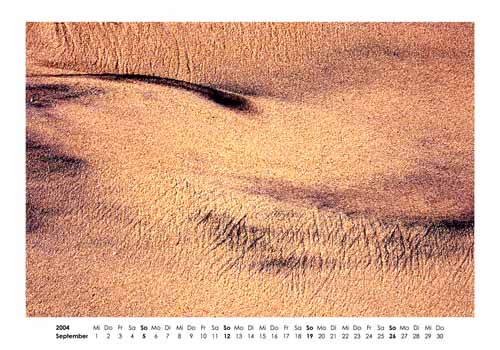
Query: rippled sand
(267, 170)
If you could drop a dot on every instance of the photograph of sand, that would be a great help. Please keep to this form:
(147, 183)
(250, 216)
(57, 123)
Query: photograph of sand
(249, 169)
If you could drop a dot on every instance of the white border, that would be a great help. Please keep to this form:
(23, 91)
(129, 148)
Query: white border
(467, 332)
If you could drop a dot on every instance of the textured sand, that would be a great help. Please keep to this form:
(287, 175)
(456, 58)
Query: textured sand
(336, 181)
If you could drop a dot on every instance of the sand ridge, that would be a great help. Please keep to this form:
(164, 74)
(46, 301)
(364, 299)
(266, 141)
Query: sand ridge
(349, 180)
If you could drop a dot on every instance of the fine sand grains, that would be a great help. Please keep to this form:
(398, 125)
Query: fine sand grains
(346, 190)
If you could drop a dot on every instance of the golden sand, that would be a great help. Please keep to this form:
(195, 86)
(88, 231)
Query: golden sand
(345, 188)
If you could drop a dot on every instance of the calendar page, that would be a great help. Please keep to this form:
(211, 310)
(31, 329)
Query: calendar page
(252, 179)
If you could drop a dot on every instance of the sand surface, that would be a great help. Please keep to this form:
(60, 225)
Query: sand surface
(268, 170)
